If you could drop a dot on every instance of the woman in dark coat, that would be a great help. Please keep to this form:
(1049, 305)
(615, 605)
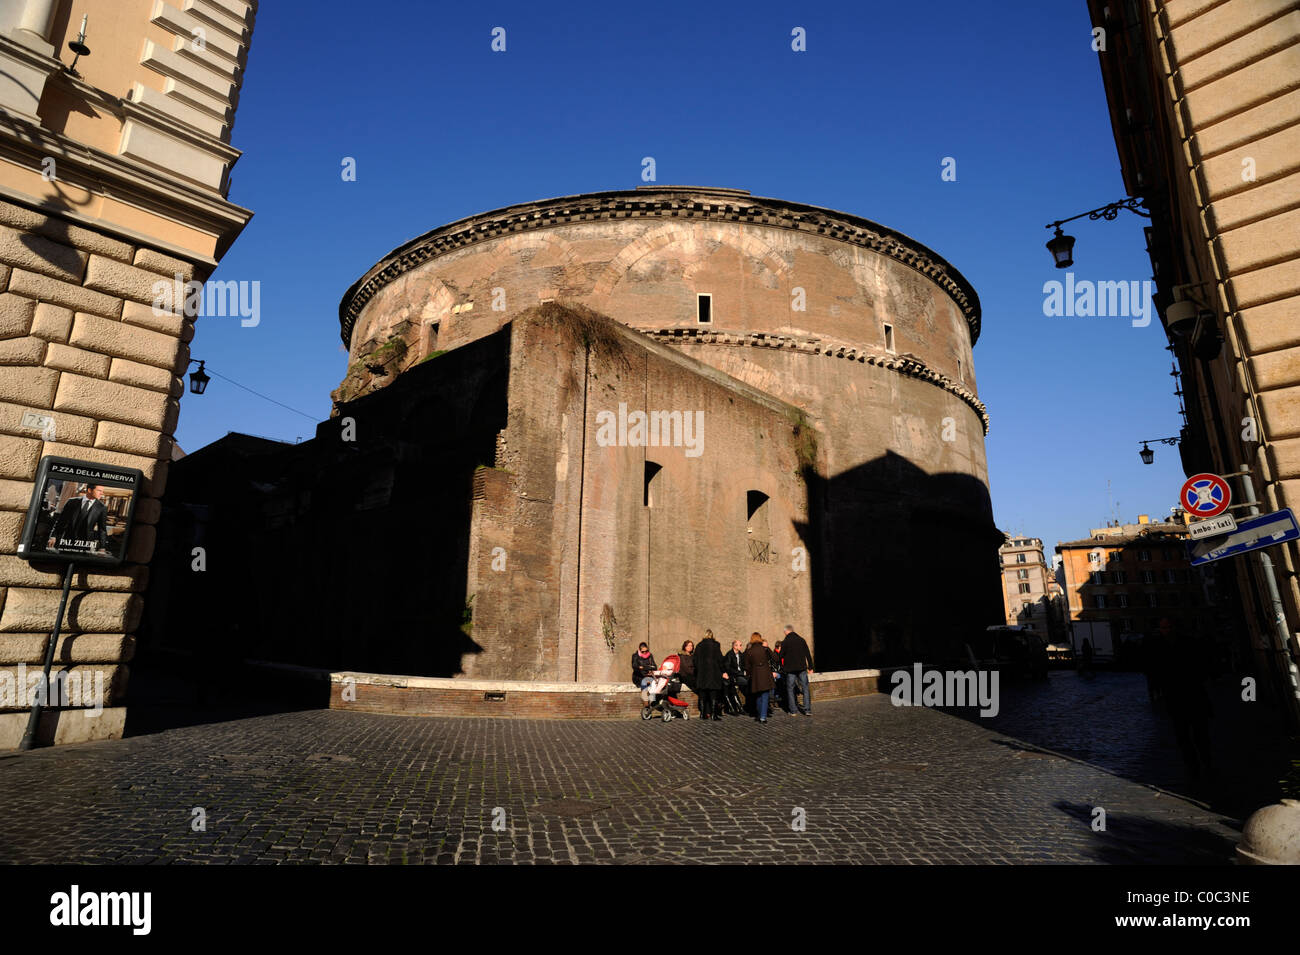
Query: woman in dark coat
(688, 663)
(758, 667)
(708, 676)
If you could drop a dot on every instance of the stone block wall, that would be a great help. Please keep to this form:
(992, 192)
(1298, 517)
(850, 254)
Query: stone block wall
(81, 343)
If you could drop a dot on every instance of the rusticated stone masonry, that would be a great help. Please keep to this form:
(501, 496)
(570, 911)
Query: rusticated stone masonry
(82, 345)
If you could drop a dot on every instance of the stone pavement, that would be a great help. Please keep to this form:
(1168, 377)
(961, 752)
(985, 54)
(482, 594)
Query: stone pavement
(871, 783)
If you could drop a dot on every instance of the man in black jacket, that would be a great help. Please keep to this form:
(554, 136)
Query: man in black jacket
(733, 677)
(81, 525)
(797, 663)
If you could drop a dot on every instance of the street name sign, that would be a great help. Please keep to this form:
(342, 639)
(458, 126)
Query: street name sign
(1222, 524)
(1251, 534)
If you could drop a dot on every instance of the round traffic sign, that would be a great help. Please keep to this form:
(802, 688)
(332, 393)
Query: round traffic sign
(1205, 495)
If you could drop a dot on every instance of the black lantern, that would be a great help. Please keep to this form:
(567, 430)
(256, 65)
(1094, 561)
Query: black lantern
(1147, 454)
(1062, 248)
(199, 380)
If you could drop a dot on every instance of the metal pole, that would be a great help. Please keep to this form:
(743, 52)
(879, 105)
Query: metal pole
(34, 718)
(1275, 598)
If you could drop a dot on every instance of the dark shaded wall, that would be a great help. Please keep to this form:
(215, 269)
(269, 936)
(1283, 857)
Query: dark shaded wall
(337, 553)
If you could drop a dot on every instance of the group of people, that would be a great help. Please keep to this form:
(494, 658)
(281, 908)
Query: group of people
(720, 680)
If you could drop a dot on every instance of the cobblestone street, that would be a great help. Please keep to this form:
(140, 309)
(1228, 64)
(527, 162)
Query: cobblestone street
(871, 782)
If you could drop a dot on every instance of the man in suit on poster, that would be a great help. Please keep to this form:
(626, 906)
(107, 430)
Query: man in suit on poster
(82, 519)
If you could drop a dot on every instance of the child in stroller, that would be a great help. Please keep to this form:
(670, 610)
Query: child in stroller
(661, 695)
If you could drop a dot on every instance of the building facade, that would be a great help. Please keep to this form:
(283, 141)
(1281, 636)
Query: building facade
(1131, 575)
(1031, 597)
(1204, 99)
(113, 179)
(821, 362)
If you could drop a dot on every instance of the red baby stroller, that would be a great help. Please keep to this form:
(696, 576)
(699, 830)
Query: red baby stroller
(661, 695)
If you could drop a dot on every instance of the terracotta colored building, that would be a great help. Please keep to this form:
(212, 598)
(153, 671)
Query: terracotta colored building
(113, 179)
(811, 431)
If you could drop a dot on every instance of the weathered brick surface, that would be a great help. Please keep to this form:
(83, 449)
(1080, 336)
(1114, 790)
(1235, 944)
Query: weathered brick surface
(145, 376)
(143, 316)
(78, 360)
(17, 572)
(22, 351)
(16, 313)
(114, 401)
(74, 429)
(164, 265)
(125, 341)
(29, 648)
(75, 297)
(19, 457)
(60, 230)
(27, 610)
(34, 252)
(124, 437)
(14, 496)
(52, 322)
(29, 386)
(11, 531)
(96, 684)
(125, 281)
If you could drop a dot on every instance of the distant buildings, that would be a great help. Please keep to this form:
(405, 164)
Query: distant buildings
(1031, 596)
(1131, 575)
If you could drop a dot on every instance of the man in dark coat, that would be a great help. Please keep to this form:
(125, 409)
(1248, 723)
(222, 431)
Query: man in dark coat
(708, 675)
(758, 667)
(796, 664)
(733, 677)
(82, 519)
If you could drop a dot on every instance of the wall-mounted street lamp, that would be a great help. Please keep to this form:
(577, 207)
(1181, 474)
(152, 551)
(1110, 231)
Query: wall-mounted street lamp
(78, 46)
(1062, 246)
(198, 379)
(1148, 455)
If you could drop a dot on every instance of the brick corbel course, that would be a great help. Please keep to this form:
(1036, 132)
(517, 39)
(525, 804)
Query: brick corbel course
(27, 610)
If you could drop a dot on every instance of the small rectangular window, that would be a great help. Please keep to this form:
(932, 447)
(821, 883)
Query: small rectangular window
(961, 375)
(704, 308)
(889, 339)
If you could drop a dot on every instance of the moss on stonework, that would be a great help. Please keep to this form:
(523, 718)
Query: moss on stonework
(432, 354)
(595, 331)
(805, 448)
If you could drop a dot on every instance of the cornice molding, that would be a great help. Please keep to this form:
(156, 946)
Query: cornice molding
(908, 366)
(121, 178)
(722, 205)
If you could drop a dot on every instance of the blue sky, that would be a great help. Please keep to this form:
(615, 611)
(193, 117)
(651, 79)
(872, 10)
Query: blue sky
(441, 127)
